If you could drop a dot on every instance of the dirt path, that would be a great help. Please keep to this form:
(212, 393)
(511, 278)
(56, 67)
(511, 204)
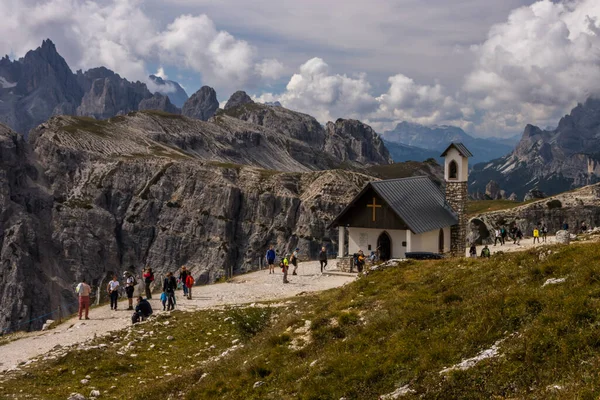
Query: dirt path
(509, 247)
(253, 287)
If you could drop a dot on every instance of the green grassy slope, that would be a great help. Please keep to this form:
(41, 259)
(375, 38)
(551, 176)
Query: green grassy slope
(400, 326)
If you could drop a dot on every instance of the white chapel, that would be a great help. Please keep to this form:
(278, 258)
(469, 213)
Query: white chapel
(399, 216)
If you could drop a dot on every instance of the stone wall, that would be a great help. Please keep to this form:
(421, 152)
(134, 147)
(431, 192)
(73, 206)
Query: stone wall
(456, 196)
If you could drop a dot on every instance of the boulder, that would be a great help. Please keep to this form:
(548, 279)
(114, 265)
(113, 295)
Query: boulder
(563, 237)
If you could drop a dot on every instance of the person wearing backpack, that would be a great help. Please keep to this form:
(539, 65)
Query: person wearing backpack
(323, 258)
(285, 267)
(544, 231)
(270, 257)
(485, 252)
(169, 286)
(294, 261)
(536, 235)
(148, 279)
(182, 278)
(130, 283)
(189, 283)
(503, 234)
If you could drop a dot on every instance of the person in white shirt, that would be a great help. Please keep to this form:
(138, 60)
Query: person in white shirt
(113, 292)
(84, 290)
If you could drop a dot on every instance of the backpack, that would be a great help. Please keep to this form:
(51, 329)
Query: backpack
(189, 281)
(135, 282)
(536, 233)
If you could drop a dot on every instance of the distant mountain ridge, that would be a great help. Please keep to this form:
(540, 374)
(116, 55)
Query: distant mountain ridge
(552, 161)
(402, 152)
(172, 89)
(41, 84)
(437, 138)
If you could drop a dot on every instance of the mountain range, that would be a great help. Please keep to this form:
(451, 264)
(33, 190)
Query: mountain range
(551, 161)
(424, 141)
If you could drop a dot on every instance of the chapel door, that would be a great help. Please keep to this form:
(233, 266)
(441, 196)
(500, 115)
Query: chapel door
(441, 242)
(384, 246)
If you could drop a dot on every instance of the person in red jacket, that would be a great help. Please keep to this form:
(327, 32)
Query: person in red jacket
(189, 282)
(148, 279)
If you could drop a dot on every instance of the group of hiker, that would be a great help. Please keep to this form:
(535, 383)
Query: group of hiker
(288, 259)
(143, 309)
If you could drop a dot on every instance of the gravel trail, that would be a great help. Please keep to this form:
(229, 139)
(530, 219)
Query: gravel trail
(248, 288)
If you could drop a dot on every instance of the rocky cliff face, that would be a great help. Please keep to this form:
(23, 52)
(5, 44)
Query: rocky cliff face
(202, 105)
(552, 161)
(111, 95)
(351, 140)
(237, 99)
(176, 93)
(89, 198)
(158, 102)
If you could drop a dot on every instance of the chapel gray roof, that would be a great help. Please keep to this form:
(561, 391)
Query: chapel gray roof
(417, 200)
(461, 149)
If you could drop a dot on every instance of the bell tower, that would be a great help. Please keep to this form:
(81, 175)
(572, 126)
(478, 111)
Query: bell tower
(456, 176)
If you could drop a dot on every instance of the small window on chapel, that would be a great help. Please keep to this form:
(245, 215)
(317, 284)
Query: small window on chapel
(453, 167)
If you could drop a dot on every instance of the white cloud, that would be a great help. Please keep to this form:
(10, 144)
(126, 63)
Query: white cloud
(161, 73)
(119, 35)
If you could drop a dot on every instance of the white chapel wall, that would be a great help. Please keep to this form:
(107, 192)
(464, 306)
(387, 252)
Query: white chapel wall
(429, 241)
(361, 238)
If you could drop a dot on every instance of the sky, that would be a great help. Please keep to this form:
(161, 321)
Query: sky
(488, 66)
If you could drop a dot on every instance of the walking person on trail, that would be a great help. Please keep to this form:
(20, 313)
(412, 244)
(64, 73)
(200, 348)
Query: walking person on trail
(323, 258)
(544, 232)
(163, 300)
(130, 283)
(148, 279)
(113, 291)
(84, 290)
(503, 234)
(519, 237)
(270, 257)
(497, 236)
(182, 278)
(485, 252)
(536, 235)
(285, 266)
(295, 261)
(169, 286)
(189, 283)
(143, 310)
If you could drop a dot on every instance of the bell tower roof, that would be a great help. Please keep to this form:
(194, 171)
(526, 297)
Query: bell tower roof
(462, 150)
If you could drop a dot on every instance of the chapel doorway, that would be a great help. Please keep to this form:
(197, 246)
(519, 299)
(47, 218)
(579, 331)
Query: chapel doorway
(384, 246)
(441, 242)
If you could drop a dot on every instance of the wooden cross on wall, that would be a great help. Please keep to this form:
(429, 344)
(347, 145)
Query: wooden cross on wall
(374, 207)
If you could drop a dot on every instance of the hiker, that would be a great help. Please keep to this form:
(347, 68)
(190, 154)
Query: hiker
(163, 300)
(270, 257)
(129, 287)
(544, 232)
(519, 237)
(473, 251)
(583, 228)
(503, 234)
(294, 261)
(143, 310)
(84, 290)
(323, 258)
(497, 237)
(285, 266)
(360, 260)
(373, 257)
(513, 234)
(169, 286)
(148, 279)
(485, 252)
(182, 278)
(536, 235)
(189, 283)
(113, 291)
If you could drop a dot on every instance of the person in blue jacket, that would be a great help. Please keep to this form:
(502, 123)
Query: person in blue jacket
(270, 257)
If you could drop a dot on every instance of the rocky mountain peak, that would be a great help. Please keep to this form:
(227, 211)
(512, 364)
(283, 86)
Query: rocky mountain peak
(353, 140)
(237, 99)
(202, 105)
(176, 93)
(160, 103)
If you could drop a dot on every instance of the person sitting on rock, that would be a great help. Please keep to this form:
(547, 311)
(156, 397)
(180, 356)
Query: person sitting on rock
(485, 252)
(143, 310)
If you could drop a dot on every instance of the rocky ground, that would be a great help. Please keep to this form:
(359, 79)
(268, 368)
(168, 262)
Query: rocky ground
(248, 288)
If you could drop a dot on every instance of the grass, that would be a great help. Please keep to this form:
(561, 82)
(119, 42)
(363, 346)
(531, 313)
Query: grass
(87, 124)
(475, 207)
(400, 326)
